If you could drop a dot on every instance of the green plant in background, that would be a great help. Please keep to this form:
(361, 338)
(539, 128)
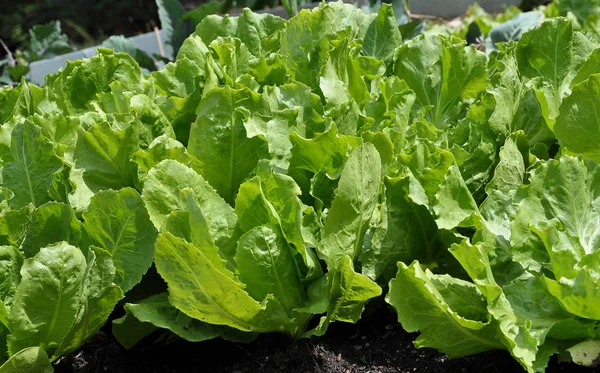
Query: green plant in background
(45, 41)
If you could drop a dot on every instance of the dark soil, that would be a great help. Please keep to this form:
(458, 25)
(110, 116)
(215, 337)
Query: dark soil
(376, 344)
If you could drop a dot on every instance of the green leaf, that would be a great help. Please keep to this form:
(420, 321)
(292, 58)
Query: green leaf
(509, 175)
(163, 193)
(163, 147)
(119, 223)
(382, 37)
(179, 79)
(79, 83)
(251, 28)
(13, 225)
(232, 57)
(514, 333)
(197, 14)
(582, 9)
(408, 231)
(105, 155)
(454, 204)
(294, 110)
(515, 106)
(589, 67)
(202, 288)
(352, 207)
(28, 360)
(170, 13)
(390, 106)
(51, 223)
(30, 174)
(11, 261)
(218, 138)
(272, 199)
(346, 295)
(156, 312)
(47, 41)
(100, 298)
(443, 74)
(442, 308)
(266, 264)
(326, 151)
(42, 315)
(578, 124)
(549, 57)
(301, 41)
(120, 44)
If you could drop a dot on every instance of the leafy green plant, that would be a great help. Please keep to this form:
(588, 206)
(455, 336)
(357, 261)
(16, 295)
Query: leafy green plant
(280, 174)
(45, 41)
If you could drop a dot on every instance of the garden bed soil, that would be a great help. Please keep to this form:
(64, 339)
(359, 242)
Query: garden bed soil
(376, 344)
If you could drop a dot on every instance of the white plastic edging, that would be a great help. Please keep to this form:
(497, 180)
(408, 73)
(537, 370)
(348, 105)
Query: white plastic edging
(456, 8)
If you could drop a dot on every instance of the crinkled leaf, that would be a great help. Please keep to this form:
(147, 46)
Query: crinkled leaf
(105, 155)
(442, 308)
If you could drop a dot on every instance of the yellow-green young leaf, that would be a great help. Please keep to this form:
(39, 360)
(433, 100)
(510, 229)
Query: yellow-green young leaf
(343, 296)
(352, 207)
(119, 223)
(28, 360)
(578, 125)
(48, 298)
(105, 156)
(450, 313)
(203, 288)
(30, 174)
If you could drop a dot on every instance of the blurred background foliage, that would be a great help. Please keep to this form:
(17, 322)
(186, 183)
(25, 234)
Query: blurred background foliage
(31, 30)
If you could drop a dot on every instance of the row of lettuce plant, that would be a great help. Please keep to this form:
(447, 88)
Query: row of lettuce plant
(280, 174)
